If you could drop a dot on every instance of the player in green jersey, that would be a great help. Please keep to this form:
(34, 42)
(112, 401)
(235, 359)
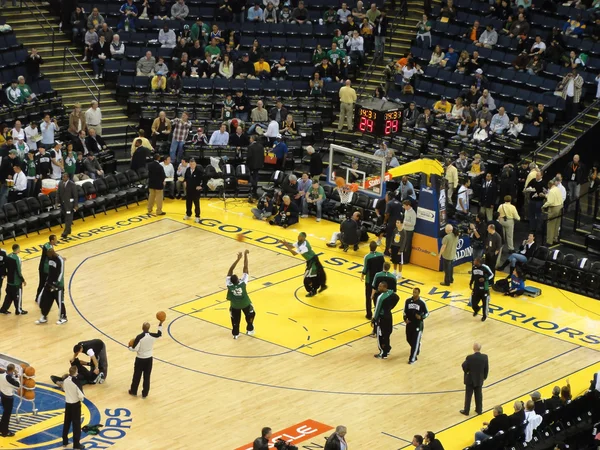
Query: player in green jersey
(314, 277)
(240, 301)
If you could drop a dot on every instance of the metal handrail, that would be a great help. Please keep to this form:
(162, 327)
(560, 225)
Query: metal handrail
(559, 133)
(127, 129)
(52, 33)
(402, 13)
(363, 83)
(78, 71)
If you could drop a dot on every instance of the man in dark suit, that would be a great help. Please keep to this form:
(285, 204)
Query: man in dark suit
(476, 370)
(156, 185)
(334, 442)
(315, 164)
(67, 199)
(255, 160)
(500, 422)
(94, 143)
(487, 196)
(518, 417)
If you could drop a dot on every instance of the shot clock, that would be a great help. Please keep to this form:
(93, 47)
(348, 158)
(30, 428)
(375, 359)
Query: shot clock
(378, 118)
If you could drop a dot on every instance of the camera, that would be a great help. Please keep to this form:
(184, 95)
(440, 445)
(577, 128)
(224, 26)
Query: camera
(282, 445)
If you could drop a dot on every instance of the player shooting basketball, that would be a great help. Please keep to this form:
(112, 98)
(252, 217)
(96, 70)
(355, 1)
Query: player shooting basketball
(314, 277)
(240, 301)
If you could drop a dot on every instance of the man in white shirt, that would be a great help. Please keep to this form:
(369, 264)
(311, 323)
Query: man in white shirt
(18, 132)
(500, 122)
(462, 200)
(73, 398)
(93, 118)
(343, 13)
(170, 176)
(143, 345)
(559, 185)
(48, 128)
(8, 384)
(57, 161)
(538, 47)
(220, 136)
(32, 135)
(410, 220)
(19, 190)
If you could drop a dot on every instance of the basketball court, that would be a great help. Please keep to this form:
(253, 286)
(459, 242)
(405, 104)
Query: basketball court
(310, 365)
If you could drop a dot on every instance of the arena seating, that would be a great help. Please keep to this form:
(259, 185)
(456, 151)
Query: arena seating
(570, 424)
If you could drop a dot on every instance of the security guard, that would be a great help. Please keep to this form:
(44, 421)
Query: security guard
(415, 312)
(481, 275)
(382, 318)
(372, 265)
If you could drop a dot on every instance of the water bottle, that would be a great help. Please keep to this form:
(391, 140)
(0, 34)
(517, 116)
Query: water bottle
(126, 24)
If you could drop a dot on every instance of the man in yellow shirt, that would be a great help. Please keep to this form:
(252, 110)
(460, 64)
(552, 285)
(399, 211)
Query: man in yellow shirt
(262, 69)
(533, 169)
(554, 205)
(451, 178)
(508, 216)
(347, 100)
(442, 107)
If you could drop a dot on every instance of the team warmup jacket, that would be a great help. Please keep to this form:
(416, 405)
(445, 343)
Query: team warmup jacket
(144, 343)
(484, 272)
(3, 256)
(372, 265)
(56, 272)
(13, 269)
(388, 277)
(43, 267)
(386, 301)
(412, 308)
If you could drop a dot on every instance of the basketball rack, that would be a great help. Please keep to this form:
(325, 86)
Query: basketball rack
(5, 360)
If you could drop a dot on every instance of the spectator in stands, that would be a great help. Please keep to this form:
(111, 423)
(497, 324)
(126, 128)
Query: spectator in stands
(80, 144)
(161, 9)
(442, 107)
(424, 31)
(27, 95)
(480, 133)
(488, 38)
(244, 68)
(554, 52)
(288, 213)
(290, 187)
(335, 53)
(448, 11)
(242, 105)
(300, 14)
(424, 120)
(315, 163)
(106, 31)
(174, 83)
(200, 137)
(565, 394)
(525, 252)
(533, 420)
(356, 47)
(13, 93)
(325, 71)
(129, 13)
(517, 418)
(94, 142)
(200, 31)
(226, 68)
(436, 56)
(474, 63)
(486, 100)
(470, 95)
(270, 13)
(470, 115)
(337, 441)
(519, 28)
(456, 114)
(450, 59)
(480, 81)
(521, 61)
(500, 122)
(574, 173)
(92, 167)
(117, 48)
(179, 10)
(473, 33)
(319, 55)
(572, 60)
(359, 12)
(431, 443)
(90, 39)
(569, 88)
(553, 207)
(95, 20)
(410, 115)
(594, 30)
(285, 15)
(538, 47)
(220, 137)
(78, 23)
(348, 99)
(259, 118)
(462, 162)
(349, 27)
(255, 14)
(515, 127)
(161, 128)
(535, 65)
(100, 53)
(167, 37)
(180, 184)
(77, 121)
(158, 83)
(380, 25)
(330, 16)
(343, 13)
(539, 406)
(535, 188)
(145, 65)
(32, 63)
(366, 31)
(32, 135)
(279, 71)
(463, 62)
(225, 12)
(574, 27)
(288, 127)
(238, 139)
(181, 129)
(500, 422)
(315, 195)
(316, 85)
(451, 177)
(262, 70)
(553, 402)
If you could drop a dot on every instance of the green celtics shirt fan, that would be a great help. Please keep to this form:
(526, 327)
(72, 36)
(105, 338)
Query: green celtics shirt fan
(239, 298)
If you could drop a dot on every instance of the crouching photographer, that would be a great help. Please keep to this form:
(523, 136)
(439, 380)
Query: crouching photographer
(262, 442)
(282, 445)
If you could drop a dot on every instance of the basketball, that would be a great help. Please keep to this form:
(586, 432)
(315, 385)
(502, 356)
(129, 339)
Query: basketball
(340, 182)
(354, 187)
(132, 341)
(161, 316)
(24, 366)
(29, 383)
(241, 237)
(21, 392)
(29, 371)
(29, 395)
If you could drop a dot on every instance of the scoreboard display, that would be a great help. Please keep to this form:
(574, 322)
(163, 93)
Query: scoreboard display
(378, 118)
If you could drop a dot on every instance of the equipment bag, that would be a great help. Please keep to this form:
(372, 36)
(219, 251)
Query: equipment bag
(531, 291)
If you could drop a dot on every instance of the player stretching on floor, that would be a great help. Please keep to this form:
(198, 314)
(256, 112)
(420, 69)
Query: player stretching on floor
(314, 277)
(240, 301)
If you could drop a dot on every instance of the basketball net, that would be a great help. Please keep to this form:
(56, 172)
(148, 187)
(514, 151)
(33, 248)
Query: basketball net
(345, 194)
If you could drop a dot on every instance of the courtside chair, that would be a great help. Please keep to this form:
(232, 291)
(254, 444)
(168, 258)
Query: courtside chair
(90, 193)
(102, 189)
(48, 206)
(12, 215)
(36, 209)
(125, 185)
(113, 187)
(85, 205)
(6, 228)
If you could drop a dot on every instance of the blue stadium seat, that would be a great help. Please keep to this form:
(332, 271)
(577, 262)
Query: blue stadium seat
(141, 83)
(221, 84)
(189, 84)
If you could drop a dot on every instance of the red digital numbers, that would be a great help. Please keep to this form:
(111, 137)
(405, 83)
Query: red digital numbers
(391, 126)
(366, 125)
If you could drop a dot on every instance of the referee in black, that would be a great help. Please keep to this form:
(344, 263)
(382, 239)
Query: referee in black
(382, 318)
(481, 276)
(143, 345)
(415, 312)
(73, 398)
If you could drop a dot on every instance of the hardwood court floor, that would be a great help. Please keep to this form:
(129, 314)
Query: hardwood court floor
(310, 358)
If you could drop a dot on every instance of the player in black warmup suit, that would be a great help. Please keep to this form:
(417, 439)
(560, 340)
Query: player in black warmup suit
(415, 312)
(481, 276)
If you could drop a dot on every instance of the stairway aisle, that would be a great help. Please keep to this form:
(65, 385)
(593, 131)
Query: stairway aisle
(65, 82)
